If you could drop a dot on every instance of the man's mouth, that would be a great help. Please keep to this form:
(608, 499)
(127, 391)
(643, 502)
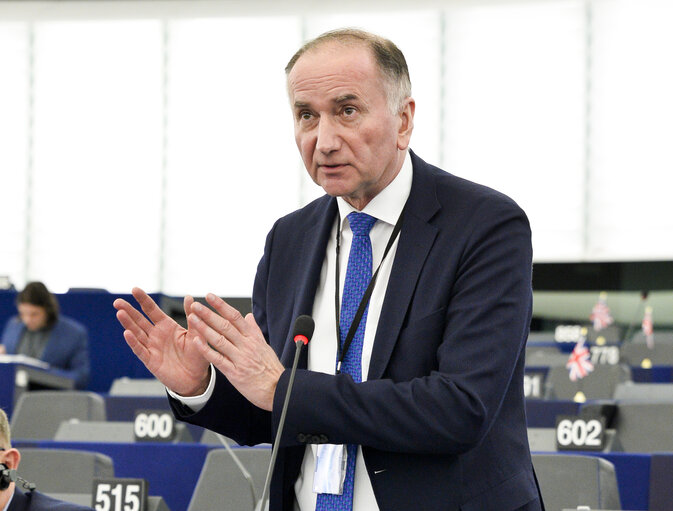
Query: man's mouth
(331, 166)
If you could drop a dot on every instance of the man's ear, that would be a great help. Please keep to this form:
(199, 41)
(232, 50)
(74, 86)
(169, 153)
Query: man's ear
(406, 123)
(12, 458)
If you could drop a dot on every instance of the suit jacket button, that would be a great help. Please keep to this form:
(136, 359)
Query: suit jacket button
(301, 438)
(324, 439)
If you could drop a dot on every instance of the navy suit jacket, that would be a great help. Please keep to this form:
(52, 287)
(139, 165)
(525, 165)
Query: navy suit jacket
(441, 417)
(67, 350)
(36, 501)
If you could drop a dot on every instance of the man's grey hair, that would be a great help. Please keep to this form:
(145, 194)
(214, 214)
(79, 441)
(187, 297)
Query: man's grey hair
(5, 436)
(389, 58)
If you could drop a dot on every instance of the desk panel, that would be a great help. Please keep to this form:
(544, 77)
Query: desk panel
(542, 414)
(30, 376)
(171, 470)
(123, 408)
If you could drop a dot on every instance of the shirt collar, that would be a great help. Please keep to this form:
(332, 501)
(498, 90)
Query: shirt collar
(388, 204)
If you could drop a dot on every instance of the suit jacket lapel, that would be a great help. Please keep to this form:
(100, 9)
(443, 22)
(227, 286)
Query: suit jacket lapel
(311, 257)
(416, 239)
(19, 501)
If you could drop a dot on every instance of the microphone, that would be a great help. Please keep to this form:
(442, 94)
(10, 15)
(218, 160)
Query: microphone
(9, 475)
(303, 330)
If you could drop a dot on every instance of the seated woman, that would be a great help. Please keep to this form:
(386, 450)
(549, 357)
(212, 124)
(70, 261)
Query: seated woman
(40, 332)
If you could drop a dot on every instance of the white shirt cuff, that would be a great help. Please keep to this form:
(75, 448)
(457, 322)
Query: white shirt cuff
(196, 403)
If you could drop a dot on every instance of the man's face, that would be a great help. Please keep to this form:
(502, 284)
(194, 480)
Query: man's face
(350, 142)
(33, 316)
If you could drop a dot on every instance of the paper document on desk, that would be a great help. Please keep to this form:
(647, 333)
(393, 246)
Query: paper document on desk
(23, 359)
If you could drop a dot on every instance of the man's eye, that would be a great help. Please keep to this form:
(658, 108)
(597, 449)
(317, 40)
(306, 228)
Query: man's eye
(349, 110)
(305, 116)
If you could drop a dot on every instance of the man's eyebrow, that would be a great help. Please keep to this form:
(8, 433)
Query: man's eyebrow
(338, 100)
(345, 97)
(300, 104)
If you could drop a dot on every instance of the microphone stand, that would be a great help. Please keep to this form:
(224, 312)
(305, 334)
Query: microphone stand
(262, 504)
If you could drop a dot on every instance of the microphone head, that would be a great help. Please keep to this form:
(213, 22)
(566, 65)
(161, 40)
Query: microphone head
(303, 329)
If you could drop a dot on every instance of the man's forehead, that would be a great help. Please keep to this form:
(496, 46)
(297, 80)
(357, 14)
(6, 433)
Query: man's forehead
(335, 48)
(336, 72)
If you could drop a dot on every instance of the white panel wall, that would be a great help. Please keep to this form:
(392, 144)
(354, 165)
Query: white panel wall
(515, 112)
(97, 154)
(14, 143)
(151, 144)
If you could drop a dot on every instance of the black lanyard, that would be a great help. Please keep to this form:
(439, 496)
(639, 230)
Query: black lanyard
(365, 298)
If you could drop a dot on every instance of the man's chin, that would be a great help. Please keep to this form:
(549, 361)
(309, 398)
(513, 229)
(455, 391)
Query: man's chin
(335, 188)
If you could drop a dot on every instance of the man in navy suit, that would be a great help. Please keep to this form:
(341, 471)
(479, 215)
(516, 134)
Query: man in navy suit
(11, 497)
(39, 331)
(437, 413)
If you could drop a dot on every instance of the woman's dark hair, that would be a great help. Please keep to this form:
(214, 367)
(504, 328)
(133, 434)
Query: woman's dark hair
(36, 293)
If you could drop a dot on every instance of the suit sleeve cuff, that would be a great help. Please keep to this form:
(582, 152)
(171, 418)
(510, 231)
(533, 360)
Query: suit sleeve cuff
(196, 403)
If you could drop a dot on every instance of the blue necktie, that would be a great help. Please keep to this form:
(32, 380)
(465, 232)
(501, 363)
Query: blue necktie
(358, 275)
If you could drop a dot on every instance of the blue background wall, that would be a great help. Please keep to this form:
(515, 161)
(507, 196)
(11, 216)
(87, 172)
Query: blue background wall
(109, 354)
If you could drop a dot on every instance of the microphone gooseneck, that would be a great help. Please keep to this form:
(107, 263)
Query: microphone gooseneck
(301, 334)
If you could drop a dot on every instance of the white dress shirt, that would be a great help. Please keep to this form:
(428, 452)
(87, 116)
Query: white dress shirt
(386, 207)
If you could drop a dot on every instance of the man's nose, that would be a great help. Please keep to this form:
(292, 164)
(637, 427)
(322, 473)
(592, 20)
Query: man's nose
(328, 136)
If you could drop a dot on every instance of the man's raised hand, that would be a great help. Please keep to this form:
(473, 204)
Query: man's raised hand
(168, 351)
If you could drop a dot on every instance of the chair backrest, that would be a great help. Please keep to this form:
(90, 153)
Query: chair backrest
(222, 484)
(568, 481)
(211, 438)
(644, 392)
(659, 336)
(599, 384)
(112, 431)
(38, 415)
(634, 353)
(541, 335)
(542, 439)
(645, 427)
(545, 357)
(612, 334)
(137, 387)
(64, 470)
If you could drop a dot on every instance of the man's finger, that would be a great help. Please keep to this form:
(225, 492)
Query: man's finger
(132, 326)
(221, 343)
(137, 347)
(187, 304)
(228, 312)
(133, 315)
(216, 358)
(219, 325)
(253, 326)
(148, 305)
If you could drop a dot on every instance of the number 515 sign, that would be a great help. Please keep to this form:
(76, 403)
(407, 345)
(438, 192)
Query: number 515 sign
(119, 494)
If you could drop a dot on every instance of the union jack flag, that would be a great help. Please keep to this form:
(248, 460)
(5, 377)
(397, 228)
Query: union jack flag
(648, 327)
(600, 314)
(579, 362)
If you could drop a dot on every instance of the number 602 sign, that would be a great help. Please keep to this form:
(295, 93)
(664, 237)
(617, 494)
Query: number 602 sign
(580, 433)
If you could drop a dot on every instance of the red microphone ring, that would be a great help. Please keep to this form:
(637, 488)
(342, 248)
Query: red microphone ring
(301, 338)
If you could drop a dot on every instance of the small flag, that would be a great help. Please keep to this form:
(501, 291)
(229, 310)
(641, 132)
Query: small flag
(648, 327)
(600, 314)
(579, 363)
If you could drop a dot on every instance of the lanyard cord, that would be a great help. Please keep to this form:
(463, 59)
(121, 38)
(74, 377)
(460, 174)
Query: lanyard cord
(365, 298)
